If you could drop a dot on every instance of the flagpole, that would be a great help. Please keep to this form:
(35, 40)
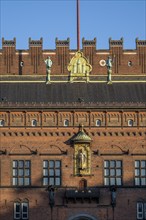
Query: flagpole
(78, 25)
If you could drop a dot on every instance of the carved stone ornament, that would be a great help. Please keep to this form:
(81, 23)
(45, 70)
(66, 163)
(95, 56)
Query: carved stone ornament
(79, 67)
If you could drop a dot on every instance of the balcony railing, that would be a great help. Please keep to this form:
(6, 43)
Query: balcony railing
(83, 195)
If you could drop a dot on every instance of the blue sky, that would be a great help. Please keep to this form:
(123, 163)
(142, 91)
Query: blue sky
(51, 18)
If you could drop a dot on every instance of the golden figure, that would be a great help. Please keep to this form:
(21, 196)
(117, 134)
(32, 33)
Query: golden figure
(79, 67)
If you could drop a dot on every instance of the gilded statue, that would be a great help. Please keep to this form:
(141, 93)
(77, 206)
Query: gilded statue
(79, 67)
(82, 159)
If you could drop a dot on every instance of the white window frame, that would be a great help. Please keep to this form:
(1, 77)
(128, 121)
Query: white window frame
(2, 122)
(33, 122)
(66, 121)
(141, 214)
(21, 212)
(130, 123)
(26, 213)
(98, 122)
(17, 213)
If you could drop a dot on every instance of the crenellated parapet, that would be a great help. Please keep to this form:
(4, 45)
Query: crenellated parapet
(31, 61)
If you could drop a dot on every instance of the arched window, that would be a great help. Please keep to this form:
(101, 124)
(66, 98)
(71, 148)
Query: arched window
(34, 122)
(2, 122)
(130, 122)
(98, 122)
(83, 184)
(66, 122)
(21, 210)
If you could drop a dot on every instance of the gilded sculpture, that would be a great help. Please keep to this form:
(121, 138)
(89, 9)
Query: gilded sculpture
(79, 67)
(82, 154)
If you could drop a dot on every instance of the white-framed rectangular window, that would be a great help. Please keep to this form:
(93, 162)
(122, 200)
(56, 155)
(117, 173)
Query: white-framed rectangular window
(141, 210)
(98, 122)
(66, 122)
(21, 210)
(130, 123)
(112, 172)
(33, 122)
(52, 172)
(21, 173)
(140, 172)
(17, 210)
(2, 122)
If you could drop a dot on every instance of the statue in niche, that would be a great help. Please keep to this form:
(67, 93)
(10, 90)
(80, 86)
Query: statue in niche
(49, 63)
(82, 159)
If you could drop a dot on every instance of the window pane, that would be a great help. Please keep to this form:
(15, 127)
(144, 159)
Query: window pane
(17, 207)
(118, 172)
(119, 181)
(21, 181)
(143, 163)
(139, 210)
(45, 181)
(57, 163)
(24, 215)
(57, 172)
(17, 210)
(144, 210)
(137, 163)
(20, 172)
(98, 122)
(112, 181)
(15, 173)
(112, 163)
(106, 163)
(57, 181)
(21, 163)
(143, 181)
(51, 181)
(27, 181)
(51, 172)
(136, 172)
(45, 172)
(24, 207)
(118, 163)
(51, 163)
(17, 216)
(106, 172)
(27, 172)
(15, 163)
(140, 207)
(66, 122)
(130, 122)
(45, 163)
(112, 172)
(15, 181)
(27, 163)
(143, 172)
(137, 181)
(106, 181)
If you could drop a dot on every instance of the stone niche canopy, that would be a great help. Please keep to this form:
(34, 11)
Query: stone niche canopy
(82, 153)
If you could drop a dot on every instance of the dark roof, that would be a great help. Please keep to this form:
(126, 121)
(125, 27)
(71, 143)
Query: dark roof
(72, 94)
